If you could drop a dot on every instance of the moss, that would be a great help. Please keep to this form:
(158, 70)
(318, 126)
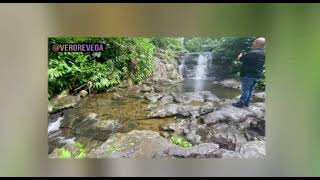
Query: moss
(180, 142)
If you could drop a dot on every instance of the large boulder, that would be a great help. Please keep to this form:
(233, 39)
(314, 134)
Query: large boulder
(193, 109)
(83, 93)
(227, 112)
(188, 97)
(198, 151)
(92, 127)
(65, 102)
(261, 95)
(171, 110)
(144, 144)
(254, 149)
(250, 150)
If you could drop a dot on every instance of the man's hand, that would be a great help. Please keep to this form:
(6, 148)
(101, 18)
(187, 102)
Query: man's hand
(241, 54)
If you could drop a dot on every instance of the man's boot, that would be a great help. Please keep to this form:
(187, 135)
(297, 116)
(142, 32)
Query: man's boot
(238, 104)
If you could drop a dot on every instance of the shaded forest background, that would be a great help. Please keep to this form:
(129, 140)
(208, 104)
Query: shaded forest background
(130, 59)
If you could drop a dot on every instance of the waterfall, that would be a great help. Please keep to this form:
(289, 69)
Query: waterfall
(181, 66)
(195, 65)
(201, 68)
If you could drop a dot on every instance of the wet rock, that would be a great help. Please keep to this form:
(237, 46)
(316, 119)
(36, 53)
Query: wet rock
(166, 99)
(64, 102)
(228, 112)
(207, 108)
(193, 137)
(146, 88)
(198, 151)
(256, 130)
(116, 96)
(227, 154)
(227, 136)
(136, 144)
(92, 127)
(250, 150)
(169, 127)
(261, 95)
(134, 92)
(254, 149)
(194, 109)
(188, 97)
(170, 110)
(153, 97)
(83, 93)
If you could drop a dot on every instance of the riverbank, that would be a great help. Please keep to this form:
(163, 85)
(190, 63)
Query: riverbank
(160, 112)
(166, 116)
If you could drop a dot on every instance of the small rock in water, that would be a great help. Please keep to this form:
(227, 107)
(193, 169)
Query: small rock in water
(146, 88)
(64, 102)
(261, 95)
(83, 93)
(116, 96)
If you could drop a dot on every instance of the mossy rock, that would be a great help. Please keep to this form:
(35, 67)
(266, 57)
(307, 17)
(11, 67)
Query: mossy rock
(64, 102)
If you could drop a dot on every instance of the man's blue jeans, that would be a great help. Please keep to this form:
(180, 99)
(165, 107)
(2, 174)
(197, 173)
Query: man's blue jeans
(247, 86)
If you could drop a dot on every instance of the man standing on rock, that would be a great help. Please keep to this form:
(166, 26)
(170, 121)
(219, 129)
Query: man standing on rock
(251, 70)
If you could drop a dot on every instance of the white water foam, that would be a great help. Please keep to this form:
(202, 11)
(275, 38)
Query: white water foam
(67, 141)
(55, 125)
(201, 67)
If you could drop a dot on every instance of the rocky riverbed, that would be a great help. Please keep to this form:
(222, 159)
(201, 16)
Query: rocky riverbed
(138, 121)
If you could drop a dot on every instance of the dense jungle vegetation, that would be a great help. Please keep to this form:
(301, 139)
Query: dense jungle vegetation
(126, 58)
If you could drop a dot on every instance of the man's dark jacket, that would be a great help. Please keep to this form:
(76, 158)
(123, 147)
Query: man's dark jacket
(252, 63)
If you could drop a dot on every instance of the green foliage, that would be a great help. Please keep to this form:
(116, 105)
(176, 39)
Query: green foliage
(168, 43)
(262, 82)
(124, 58)
(180, 142)
(66, 154)
(82, 152)
(201, 44)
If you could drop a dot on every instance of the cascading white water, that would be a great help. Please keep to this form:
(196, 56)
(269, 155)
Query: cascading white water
(55, 125)
(200, 69)
(195, 65)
